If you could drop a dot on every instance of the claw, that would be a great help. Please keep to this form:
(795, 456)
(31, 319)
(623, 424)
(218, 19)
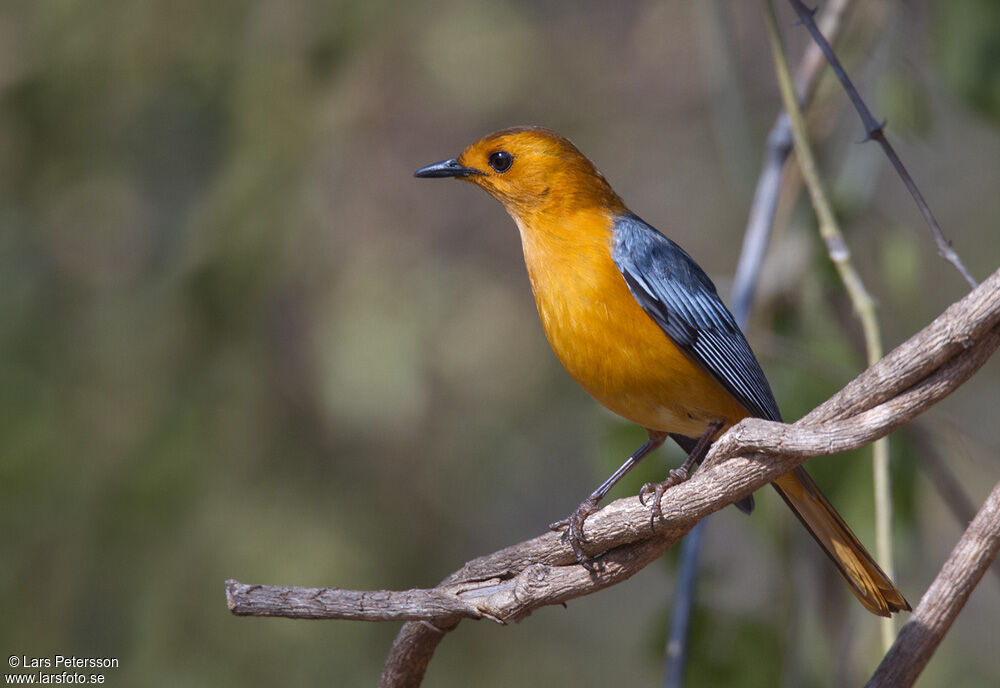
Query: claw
(657, 490)
(645, 491)
(573, 534)
(679, 475)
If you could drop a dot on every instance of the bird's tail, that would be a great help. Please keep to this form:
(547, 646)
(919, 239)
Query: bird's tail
(867, 581)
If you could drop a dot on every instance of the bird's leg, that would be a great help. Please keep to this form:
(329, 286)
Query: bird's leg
(574, 523)
(678, 475)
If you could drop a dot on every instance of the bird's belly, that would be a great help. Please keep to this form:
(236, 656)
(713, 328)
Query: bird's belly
(615, 351)
(609, 344)
(666, 392)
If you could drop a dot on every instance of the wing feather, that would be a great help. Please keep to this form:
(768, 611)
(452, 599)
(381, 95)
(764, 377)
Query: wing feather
(681, 299)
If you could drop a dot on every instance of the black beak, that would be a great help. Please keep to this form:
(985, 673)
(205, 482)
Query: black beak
(445, 168)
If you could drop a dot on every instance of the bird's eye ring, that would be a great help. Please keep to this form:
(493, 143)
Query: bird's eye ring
(501, 160)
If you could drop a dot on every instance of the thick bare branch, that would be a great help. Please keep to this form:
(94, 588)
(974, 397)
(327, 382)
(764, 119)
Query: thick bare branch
(509, 584)
(833, 437)
(953, 331)
(411, 652)
(438, 604)
(944, 599)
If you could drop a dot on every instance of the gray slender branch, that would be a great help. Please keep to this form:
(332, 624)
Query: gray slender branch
(510, 584)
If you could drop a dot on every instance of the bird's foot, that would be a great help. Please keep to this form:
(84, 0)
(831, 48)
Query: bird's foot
(651, 493)
(573, 526)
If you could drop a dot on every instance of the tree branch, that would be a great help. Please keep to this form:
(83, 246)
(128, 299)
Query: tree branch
(944, 599)
(508, 585)
(875, 131)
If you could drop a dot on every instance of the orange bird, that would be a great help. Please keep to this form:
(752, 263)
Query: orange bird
(640, 326)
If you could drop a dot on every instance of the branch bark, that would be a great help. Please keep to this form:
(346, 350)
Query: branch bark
(509, 584)
(944, 599)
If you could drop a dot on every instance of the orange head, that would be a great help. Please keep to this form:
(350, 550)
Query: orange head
(531, 171)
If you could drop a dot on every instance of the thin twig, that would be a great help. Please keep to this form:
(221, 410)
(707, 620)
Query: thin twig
(864, 305)
(875, 130)
(944, 599)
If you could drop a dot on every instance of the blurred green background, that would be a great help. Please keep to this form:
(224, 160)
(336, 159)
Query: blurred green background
(238, 339)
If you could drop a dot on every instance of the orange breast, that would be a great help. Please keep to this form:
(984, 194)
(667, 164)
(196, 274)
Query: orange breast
(604, 338)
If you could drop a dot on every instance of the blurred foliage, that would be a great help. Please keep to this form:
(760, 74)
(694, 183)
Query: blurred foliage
(968, 48)
(745, 641)
(237, 339)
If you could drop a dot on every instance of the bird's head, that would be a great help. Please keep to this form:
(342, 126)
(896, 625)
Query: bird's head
(530, 170)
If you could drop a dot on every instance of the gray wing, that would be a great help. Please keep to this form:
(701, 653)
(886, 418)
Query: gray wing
(680, 297)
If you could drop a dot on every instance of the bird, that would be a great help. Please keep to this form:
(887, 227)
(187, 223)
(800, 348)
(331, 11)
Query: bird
(640, 326)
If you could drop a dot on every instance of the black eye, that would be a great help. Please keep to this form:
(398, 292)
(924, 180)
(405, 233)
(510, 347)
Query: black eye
(501, 161)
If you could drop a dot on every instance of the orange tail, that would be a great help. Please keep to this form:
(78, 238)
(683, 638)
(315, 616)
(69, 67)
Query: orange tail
(867, 581)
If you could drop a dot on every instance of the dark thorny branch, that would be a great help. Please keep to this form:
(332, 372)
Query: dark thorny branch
(875, 130)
